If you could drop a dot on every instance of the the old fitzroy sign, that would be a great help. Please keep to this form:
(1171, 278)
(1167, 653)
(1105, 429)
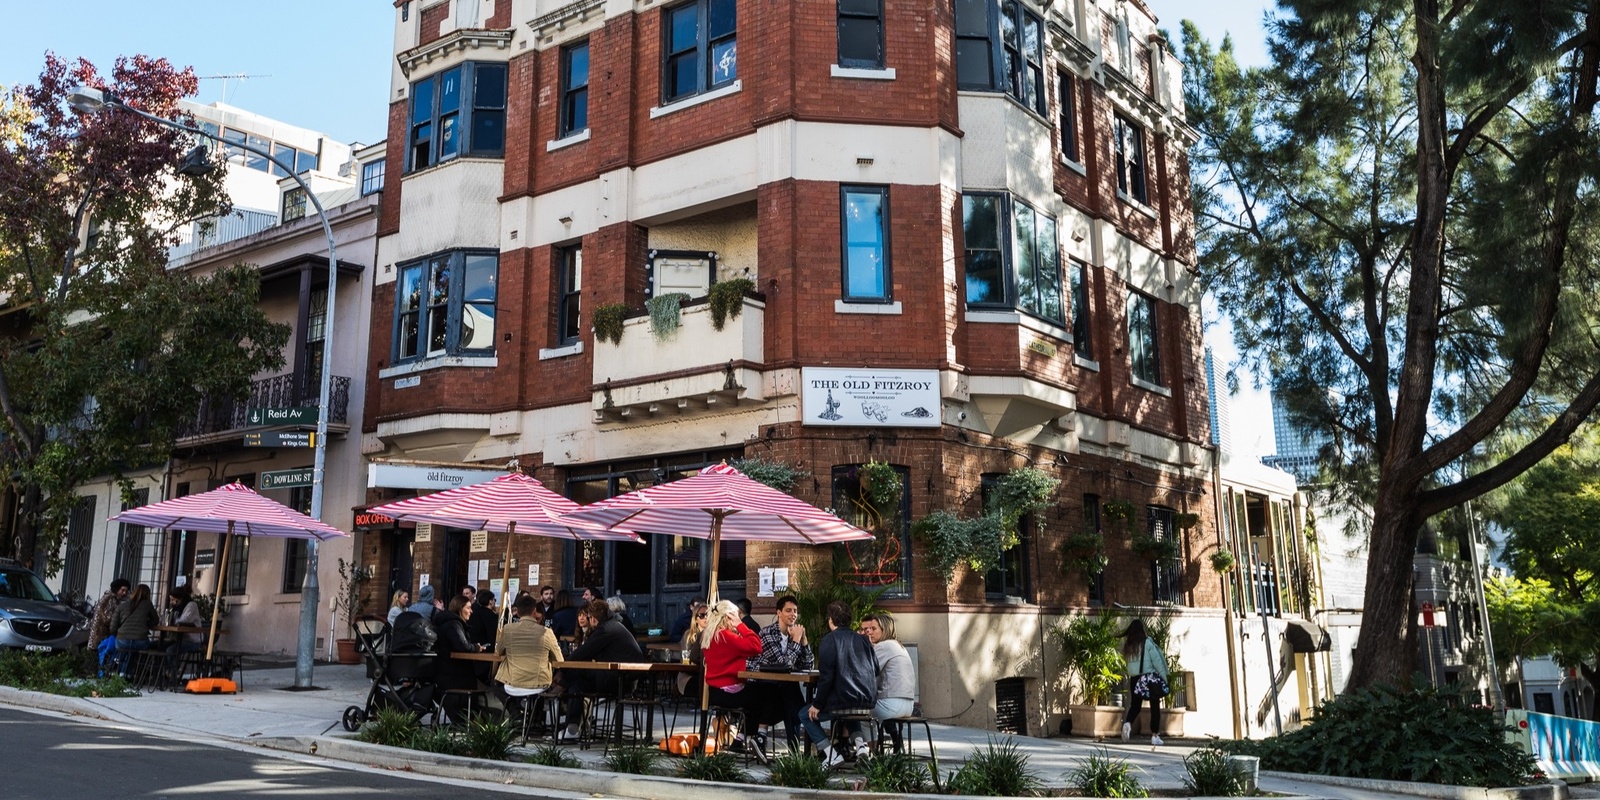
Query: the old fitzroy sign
(879, 398)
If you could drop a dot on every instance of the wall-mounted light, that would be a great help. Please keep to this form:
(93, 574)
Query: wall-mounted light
(565, 219)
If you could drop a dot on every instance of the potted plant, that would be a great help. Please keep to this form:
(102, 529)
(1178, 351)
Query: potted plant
(1091, 647)
(1178, 680)
(665, 312)
(726, 299)
(608, 321)
(348, 603)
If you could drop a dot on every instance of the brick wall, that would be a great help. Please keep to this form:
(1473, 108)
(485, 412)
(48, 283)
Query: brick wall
(432, 20)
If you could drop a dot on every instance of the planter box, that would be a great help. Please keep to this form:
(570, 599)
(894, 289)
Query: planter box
(1171, 722)
(1098, 722)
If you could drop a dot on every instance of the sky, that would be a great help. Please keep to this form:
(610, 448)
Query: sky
(325, 66)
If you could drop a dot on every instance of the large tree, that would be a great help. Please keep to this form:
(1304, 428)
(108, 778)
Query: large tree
(1398, 214)
(104, 351)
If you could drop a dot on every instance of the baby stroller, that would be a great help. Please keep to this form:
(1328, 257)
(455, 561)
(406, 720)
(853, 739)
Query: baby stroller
(401, 661)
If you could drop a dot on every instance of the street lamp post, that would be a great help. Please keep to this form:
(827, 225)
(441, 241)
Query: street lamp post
(89, 100)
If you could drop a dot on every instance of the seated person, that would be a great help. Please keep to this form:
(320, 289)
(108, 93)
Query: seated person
(183, 610)
(744, 614)
(726, 645)
(680, 626)
(484, 624)
(786, 648)
(454, 673)
(131, 625)
(529, 650)
(564, 619)
(619, 611)
(847, 681)
(607, 641)
(897, 676)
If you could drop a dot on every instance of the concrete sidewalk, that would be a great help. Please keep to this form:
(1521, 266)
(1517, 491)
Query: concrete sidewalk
(266, 712)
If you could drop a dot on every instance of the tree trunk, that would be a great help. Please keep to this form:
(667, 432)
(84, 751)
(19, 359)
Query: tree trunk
(1386, 650)
(27, 521)
(1593, 677)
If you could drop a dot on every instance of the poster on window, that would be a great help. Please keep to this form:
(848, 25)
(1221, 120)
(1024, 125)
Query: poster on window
(894, 398)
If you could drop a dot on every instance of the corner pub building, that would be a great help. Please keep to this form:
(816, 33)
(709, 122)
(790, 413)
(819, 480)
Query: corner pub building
(631, 238)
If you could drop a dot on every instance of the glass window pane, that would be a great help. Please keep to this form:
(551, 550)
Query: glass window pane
(1032, 39)
(409, 290)
(450, 90)
(285, 154)
(449, 138)
(972, 63)
(685, 28)
(305, 161)
(1080, 310)
(985, 282)
(489, 86)
(979, 222)
(422, 100)
(422, 146)
(868, 7)
(578, 66)
(480, 278)
(408, 336)
(683, 75)
(1049, 277)
(578, 110)
(477, 327)
(488, 132)
(724, 62)
(683, 560)
(858, 42)
(864, 239)
(1008, 23)
(972, 17)
(1027, 255)
(256, 161)
(720, 18)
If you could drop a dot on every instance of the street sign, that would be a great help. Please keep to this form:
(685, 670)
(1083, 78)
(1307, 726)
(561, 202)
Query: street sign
(287, 478)
(281, 439)
(293, 415)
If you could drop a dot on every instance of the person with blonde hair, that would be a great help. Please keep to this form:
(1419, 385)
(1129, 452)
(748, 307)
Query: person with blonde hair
(398, 604)
(897, 676)
(726, 645)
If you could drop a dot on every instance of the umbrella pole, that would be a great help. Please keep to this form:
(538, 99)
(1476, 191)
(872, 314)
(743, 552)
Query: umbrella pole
(711, 602)
(505, 577)
(216, 603)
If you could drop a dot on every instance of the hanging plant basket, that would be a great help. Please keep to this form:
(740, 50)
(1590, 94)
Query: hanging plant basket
(608, 322)
(726, 300)
(666, 312)
(1222, 561)
(1083, 553)
(1151, 548)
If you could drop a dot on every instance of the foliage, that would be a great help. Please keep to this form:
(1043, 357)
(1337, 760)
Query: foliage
(1380, 732)
(1530, 618)
(1185, 520)
(440, 740)
(875, 508)
(1160, 631)
(881, 486)
(489, 737)
(1364, 207)
(1000, 769)
(775, 474)
(551, 754)
(726, 299)
(633, 760)
(666, 312)
(798, 770)
(1017, 494)
(1119, 512)
(817, 588)
(347, 600)
(391, 727)
(718, 767)
(1092, 648)
(900, 773)
(1100, 775)
(1083, 553)
(207, 603)
(1210, 775)
(953, 540)
(62, 673)
(1157, 548)
(1222, 560)
(110, 354)
(608, 321)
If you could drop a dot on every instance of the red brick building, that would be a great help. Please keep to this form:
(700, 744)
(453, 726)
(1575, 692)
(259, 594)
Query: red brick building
(967, 233)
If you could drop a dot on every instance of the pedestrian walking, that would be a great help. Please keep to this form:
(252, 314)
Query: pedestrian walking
(1147, 675)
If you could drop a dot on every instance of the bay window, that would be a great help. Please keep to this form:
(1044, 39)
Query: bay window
(461, 111)
(445, 305)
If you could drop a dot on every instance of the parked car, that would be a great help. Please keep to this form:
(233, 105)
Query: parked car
(32, 617)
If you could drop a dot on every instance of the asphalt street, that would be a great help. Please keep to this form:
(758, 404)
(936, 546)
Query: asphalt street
(47, 756)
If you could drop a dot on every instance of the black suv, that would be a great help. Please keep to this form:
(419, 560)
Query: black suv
(32, 617)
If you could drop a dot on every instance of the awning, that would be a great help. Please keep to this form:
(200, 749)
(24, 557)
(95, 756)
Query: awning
(1307, 637)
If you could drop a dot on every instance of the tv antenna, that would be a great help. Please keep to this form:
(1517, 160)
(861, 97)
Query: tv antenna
(225, 77)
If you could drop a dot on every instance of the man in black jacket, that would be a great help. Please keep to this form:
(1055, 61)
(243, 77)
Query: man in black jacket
(847, 681)
(484, 624)
(609, 641)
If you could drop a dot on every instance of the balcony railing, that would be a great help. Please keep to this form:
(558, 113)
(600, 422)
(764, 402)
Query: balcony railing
(281, 391)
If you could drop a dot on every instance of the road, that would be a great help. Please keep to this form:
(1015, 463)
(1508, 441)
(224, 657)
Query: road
(51, 757)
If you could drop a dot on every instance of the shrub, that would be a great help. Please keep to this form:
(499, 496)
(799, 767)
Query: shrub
(797, 770)
(1000, 769)
(899, 773)
(550, 754)
(726, 299)
(633, 760)
(1091, 646)
(1210, 775)
(1100, 775)
(64, 673)
(390, 727)
(438, 740)
(1384, 733)
(489, 738)
(721, 768)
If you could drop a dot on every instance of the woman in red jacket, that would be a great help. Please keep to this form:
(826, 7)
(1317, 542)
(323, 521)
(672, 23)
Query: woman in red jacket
(725, 646)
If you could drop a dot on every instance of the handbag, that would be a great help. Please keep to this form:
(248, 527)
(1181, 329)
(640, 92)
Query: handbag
(1149, 685)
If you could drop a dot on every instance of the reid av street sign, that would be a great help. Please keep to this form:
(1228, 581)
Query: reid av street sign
(291, 415)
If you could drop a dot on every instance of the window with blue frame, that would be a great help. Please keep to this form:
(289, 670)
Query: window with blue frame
(1144, 343)
(1000, 48)
(574, 89)
(461, 111)
(701, 48)
(865, 231)
(1013, 258)
(445, 305)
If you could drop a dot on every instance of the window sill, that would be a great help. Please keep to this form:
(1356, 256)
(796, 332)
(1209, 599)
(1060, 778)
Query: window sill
(880, 74)
(694, 100)
(547, 353)
(1137, 206)
(567, 141)
(1093, 366)
(1150, 387)
(1018, 318)
(1074, 166)
(437, 362)
(844, 307)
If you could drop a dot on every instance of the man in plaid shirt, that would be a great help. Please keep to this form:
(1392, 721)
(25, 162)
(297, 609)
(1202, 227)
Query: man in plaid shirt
(784, 648)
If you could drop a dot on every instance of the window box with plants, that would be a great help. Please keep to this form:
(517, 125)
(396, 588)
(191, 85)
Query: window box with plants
(673, 333)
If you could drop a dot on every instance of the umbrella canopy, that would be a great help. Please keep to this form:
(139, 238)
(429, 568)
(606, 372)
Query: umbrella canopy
(234, 509)
(510, 503)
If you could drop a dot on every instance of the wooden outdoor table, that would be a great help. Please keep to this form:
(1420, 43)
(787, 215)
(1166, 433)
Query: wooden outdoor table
(784, 677)
(492, 658)
(184, 629)
(652, 639)
(632, 667)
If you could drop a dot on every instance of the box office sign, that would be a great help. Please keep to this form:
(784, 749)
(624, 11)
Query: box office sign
(893, 398)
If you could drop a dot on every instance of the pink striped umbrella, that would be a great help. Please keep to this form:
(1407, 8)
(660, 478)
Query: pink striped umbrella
(234, 509)
(511, 503)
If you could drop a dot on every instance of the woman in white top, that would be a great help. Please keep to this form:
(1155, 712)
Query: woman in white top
(897, 677)
(1147, 678)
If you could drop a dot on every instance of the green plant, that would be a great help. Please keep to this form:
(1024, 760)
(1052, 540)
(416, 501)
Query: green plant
(608, 321)
(775, 474)
(1083, 553)
(953, 540)
(1210, 775)
(1222, 560)
(551, 754)
(490, 738)
(881, 486)
(347, 600)
(1100, 775)
(61, 673)
(1185, 520)
(438, 740)
(726, 299)
(1000, 769)
(1119, 511)
(1091, 646)
(1156, 548)
(666, 312)
(816, 588)
(391, 727)
(207, 603)
(1017, 494)
(900, 773)
(797, 770)
(633, 760)
(720, 768)
(1422, 734)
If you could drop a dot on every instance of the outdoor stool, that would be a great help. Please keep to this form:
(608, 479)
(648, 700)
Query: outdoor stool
(469, 695)
(731, 719)
(841, 722)
(145, 667)
(535, 704)
(641, 705)
(900, 727)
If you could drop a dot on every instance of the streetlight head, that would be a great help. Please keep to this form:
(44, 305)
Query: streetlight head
(196, 163)
(88, 100)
